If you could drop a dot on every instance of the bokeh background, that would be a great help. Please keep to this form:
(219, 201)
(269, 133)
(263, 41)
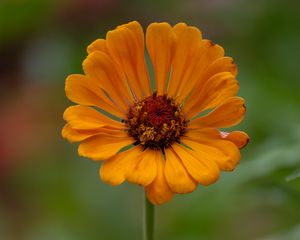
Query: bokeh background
(48, 192)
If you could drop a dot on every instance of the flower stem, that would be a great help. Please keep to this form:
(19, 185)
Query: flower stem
(148, 220)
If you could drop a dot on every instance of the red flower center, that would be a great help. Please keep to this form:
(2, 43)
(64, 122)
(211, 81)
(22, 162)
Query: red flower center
(156, 122)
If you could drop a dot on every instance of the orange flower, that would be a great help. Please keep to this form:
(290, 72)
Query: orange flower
(170, 147)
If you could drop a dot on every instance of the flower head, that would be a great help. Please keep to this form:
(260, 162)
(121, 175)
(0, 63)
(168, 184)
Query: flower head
(172, 143)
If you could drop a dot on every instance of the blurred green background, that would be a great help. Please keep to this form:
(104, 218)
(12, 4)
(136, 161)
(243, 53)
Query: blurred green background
(48, 192)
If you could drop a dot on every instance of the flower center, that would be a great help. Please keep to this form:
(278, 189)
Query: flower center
(155, 122)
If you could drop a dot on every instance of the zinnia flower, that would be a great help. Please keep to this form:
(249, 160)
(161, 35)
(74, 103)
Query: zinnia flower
(166, 139)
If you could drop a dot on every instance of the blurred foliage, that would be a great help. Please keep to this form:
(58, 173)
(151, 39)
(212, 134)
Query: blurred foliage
(48, 192)
(294, 175)
(20, 17)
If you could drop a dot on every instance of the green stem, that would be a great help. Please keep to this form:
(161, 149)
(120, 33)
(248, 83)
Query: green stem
(148, 220)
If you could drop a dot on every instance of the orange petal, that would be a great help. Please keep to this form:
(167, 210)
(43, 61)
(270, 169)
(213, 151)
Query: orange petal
(223, 64)
(97, 45)
(187, 44)
(77, 135)
(114, 170)
(223, 152)
(126, 46)
(73, 135)
(100, 68)
(230, 113)
(143, 168)
(81, 90)
(104, 146)
(203, 133)
(158, 191)
(219, 65)
(159, 41)
(208, 54)
(217, 89)
(176, 175)
(204, 170)
(239, 138)
(81, 117)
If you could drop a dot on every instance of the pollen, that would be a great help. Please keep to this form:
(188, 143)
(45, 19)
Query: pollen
(156, 122)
